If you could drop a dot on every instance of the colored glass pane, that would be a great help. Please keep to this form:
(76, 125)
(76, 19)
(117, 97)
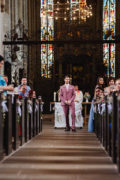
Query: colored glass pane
(47, 34)
(109, 13)
(76, 9)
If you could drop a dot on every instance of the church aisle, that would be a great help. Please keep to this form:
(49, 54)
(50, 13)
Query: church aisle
(60, 155)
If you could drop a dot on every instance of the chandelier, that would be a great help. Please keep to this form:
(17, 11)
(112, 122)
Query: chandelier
(69, 10)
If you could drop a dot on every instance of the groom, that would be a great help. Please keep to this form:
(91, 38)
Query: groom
(67, 96)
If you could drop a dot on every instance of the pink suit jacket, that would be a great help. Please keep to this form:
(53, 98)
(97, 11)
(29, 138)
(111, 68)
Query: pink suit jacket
(66, 95)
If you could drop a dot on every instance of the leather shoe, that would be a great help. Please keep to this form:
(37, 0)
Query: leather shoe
(67, 129)
(81, 127)
(74, 130)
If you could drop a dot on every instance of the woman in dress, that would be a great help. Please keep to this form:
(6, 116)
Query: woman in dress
(100, 84)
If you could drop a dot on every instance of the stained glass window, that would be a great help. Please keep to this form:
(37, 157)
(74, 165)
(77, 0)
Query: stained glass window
(109, 19)
(80, 10)
(76, 4)
(47, 34)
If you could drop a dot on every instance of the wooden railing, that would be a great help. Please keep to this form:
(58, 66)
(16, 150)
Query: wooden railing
(107, 125)
(20, 121)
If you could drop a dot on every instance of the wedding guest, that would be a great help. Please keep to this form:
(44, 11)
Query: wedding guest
(34, 94)
(11, 88)
(117, 85)
(67, 96)
(2, 81)
(98, 92)
(3, 85)
(100, 83)
(91, 115)
(78, 105)
(111, 86)
(23, 89)
(5, 78)
(30, 94)
(78, 95)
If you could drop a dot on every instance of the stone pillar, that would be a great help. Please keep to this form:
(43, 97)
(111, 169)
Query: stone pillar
(4, 26)
(34, 34)
(99, 28)
(20, 9)
(30, 24)
(97, 49)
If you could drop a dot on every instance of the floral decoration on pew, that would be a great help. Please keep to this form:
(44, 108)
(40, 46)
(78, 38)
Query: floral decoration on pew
(4, 108)
(29, 106)
(20, 97)
(19, 103)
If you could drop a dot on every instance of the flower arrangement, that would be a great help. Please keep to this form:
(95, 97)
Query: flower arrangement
(20, 96)
(87, 96)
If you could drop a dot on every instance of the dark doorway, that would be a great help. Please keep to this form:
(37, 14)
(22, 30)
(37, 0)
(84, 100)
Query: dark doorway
(83, 70)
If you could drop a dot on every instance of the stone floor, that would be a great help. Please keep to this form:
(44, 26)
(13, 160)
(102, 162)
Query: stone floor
(59, 155)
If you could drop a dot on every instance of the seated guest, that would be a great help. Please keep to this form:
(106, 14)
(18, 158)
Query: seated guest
(111, 86)
(5, 78)
(11, 88)
(3, 85)
(99, 94)
(78, 106)
(117, 86)
(23, 89)
(79, 95)
(100, 83)
(32, 94)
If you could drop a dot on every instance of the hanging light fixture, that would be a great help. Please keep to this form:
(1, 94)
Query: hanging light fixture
(73, 11)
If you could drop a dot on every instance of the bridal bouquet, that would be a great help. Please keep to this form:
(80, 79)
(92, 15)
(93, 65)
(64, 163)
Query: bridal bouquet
(87, 96)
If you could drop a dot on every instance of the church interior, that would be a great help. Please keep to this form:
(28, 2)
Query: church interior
(44, 45)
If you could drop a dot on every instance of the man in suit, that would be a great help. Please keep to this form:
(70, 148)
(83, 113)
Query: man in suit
(67, 96)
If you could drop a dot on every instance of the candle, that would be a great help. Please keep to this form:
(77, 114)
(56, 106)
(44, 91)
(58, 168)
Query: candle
(54, 96)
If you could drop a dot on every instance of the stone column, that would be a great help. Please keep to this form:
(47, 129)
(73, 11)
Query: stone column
(20, 9)
(4, 25)
(30, 63)
(38, 47)
(99, 28)
(34, 34)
